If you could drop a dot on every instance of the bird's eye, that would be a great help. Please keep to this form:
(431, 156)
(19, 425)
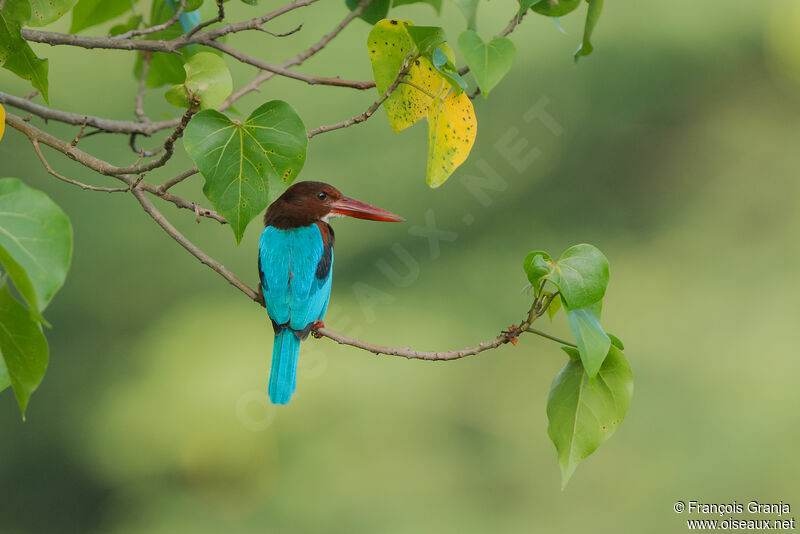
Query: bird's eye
(321, 195)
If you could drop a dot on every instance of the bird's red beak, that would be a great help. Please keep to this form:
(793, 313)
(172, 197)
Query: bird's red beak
(361, 210)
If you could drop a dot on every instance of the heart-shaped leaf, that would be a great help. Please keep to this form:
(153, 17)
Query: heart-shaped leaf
(581, 275)
(556, 8)
(489, 62)
(23, 348)
(452, 128)
(240, 159)
(592, 16)
(592, 342)
(43, 12)
(582, 416)
(35, 243)
(375, 11)
(208, 77)
(390, 45)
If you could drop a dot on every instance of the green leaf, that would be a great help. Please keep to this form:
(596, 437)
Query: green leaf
(374, 12)
(16, 55)
(581, 274)
(582, 416)
(88, 13)
(166, 68)
(35, 243)
(592, 342)
(445, 66)
(133, 23)
(5, 380)
(469, 8)
(23, 348)
(524, 5)
(208, 77)
(617, 342)
(251, 2)
(489, 62)
(17, 10)
(556, 8)
(44, 12)
(452, 128)
(592, 16)
(426, 38)
(193, 5)
(239, 160)
(436, 4)
(554, 306)
(537, 264)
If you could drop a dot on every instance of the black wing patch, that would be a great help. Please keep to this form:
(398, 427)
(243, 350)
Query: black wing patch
(261, 275)
(325, 262)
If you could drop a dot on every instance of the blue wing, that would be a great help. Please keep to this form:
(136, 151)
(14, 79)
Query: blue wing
(296, 289)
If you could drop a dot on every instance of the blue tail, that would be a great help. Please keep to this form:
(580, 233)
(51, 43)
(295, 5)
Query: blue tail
(283, 375)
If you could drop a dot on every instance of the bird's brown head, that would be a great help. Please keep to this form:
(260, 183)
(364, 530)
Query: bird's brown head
(305, 203)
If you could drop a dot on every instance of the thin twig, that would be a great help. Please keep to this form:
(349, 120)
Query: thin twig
(220, 16)
(277, 69)
(299, 58)
(138, 108)
(204, 258)
(157, 28)
(107, 125)
(83, 186)
(551, 337)
(144, 153)
(156, 45)
(370, 110)
(413, 354)
(284, 34)
(181, 177)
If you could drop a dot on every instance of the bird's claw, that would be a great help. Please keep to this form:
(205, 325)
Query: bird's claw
(512, 334)
(317, 325)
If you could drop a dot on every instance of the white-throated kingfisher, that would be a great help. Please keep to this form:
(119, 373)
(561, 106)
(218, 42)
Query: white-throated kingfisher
(295, 265)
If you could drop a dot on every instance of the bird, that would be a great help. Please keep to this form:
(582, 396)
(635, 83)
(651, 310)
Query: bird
(295, 267)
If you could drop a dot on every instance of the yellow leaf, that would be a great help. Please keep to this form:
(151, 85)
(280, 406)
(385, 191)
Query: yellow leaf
(389, 45)
(2, 121)
(451, 133)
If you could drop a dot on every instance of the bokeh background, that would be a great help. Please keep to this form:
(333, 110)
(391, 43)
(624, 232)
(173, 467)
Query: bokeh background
(678, 157)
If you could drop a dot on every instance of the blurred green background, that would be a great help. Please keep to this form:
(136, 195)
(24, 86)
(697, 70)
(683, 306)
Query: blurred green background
(678, 157)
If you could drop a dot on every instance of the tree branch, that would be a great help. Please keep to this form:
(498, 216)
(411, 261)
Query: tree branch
(157, 45)
(299, 58)
(371, 109)
(70, 180)
(157, 28)
(76, 119)
(277, 69)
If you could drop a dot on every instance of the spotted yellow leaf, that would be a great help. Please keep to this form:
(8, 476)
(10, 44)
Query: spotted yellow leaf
(451, 133)
(389, 46)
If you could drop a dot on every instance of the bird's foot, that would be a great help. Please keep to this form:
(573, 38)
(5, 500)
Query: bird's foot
(317, 325)
(512, 334)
